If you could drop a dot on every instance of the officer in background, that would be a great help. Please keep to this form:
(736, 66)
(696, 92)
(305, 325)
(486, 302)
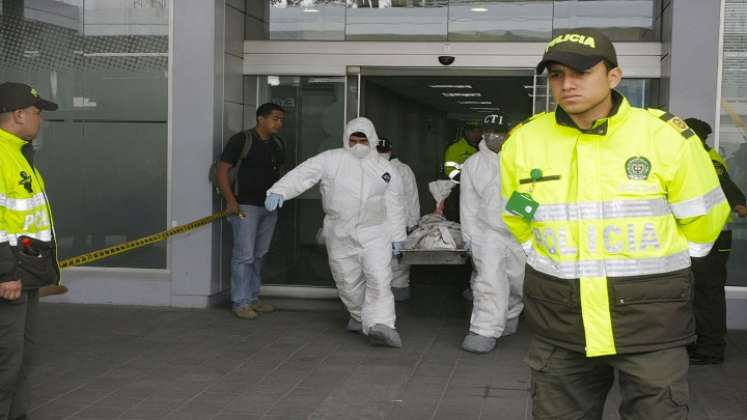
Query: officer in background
(28, 257)
(610, 202)
(454, 157)
(710, 271)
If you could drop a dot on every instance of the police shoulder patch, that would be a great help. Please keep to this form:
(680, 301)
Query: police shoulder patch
(677, 123)
(523, 123)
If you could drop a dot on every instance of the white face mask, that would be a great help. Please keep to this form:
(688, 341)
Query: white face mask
(360, 150)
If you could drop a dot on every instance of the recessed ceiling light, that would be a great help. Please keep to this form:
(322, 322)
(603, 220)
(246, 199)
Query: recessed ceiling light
(487, 108)
(450, 86)
(273, 80)
(475, 103)
(311, 10)
(461, 95)
(479, 9)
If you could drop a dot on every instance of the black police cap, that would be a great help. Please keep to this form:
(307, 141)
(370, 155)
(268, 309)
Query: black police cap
(579, 49)
(15, 96)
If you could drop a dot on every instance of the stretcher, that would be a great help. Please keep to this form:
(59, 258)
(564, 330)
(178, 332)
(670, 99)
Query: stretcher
(433, 256)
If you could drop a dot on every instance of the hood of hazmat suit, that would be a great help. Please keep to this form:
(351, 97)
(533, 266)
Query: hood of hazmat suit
(365, 126)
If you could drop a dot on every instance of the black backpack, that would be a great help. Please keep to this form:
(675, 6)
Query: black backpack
(278, 159)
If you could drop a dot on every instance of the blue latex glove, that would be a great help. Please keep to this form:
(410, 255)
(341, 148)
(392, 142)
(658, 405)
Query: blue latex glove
(468, 247)
(397, 248)
(273, 201)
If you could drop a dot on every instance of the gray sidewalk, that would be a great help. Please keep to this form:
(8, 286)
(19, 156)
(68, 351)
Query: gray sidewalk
(104, 362)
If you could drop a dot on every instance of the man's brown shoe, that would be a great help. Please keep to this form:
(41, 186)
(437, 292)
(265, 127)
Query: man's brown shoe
(262, 307)
(245, 312)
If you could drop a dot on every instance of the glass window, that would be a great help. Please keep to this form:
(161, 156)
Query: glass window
(103, 153)
(384, 20)
(321, 20)
(621, 20)
(642, 93)
(732, 140)
(504, 21)
(461, 20)
(314, 122)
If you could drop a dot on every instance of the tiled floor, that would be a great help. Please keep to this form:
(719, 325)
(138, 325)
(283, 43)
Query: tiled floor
(103, 362)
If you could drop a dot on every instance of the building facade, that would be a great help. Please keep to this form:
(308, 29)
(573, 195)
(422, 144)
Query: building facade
(150, 91)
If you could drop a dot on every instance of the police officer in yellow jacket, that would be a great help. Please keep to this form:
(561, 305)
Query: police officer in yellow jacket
(609, 202)
(454, 157)
(28, 258)
(709, 305)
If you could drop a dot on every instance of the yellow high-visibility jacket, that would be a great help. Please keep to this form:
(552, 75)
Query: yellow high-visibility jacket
(24, 212)
(454, 157)
(622, 208)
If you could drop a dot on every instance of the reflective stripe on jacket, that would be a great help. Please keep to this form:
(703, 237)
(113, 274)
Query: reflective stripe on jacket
(635, 196)
(24, 211)
(455, 156)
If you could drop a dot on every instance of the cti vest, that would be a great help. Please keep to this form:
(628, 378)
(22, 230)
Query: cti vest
(25, 211)
(455, 156)
(622, 208)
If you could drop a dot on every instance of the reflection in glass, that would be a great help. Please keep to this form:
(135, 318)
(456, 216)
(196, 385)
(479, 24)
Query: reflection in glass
(322, 20)
(424, 20)
(505, 21)
(104, 151)
(733, 125)
(313, 123)
(621, 20)
(461, 20)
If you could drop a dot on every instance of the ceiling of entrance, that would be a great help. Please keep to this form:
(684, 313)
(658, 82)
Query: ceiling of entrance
(463, 97)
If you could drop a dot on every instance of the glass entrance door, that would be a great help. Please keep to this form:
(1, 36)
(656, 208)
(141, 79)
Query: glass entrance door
(420, 110)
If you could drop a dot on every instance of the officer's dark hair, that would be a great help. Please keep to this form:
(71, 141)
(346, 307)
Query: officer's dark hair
(266, 109)
(609, 65)
(700, 127)
(5, 117)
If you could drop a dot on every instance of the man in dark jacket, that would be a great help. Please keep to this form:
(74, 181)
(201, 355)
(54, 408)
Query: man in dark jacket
(710, 271)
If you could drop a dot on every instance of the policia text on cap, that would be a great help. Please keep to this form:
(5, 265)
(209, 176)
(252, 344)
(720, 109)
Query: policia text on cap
(610, 202)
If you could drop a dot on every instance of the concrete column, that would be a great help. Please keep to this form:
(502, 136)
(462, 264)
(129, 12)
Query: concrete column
(196, 128)
(690, 63)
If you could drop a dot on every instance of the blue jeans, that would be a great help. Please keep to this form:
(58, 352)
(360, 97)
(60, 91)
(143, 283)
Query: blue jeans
(251, 241)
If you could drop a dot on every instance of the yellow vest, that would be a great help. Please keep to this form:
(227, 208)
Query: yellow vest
(634, 195)
(24, 208)
(455, 156)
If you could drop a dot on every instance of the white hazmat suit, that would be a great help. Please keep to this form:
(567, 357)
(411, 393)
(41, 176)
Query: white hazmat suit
(361, 197)
(411, 204)
(497, 257)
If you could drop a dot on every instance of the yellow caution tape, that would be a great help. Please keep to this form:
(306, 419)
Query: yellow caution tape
(139, 243)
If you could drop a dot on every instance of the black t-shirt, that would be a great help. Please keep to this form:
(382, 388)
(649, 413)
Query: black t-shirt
(258, 171)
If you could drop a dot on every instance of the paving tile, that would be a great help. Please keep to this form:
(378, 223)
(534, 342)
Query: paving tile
(55, 411)
(153, 363)
(145, 413)
(101, 412)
